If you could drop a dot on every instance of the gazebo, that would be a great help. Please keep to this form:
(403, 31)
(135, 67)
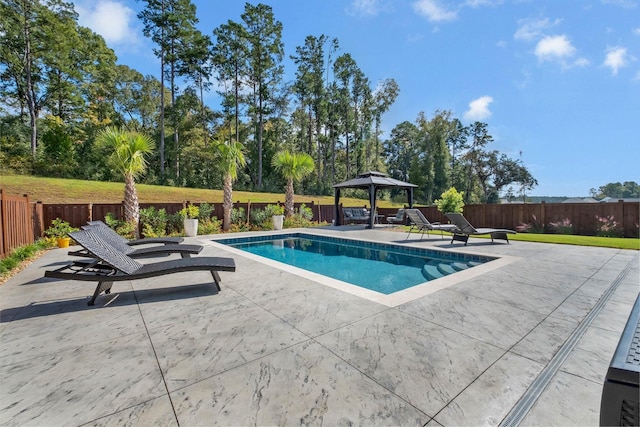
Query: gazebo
(373, 181)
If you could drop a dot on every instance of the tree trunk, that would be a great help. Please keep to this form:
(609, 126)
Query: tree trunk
(227, 202)
(161, 147)
(30, 92)
(288, 198)
(131, 205)
(260, 118)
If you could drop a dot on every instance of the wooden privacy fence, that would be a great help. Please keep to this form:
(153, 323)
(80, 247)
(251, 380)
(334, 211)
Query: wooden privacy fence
(583, 216)
(22, 221)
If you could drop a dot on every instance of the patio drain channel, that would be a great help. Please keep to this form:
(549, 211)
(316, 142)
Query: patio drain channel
(524, 405)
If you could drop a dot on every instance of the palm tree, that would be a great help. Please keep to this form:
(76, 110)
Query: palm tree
(230, 158)
(293, 167)
(127, 157)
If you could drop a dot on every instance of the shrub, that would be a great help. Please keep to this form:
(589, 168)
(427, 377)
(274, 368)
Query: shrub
(123, 228)
(205, 211)
(607, 227)
(300, 218)
(450, 201)
(209, 226)
(562, 227)
(154, 222)
(532, 227)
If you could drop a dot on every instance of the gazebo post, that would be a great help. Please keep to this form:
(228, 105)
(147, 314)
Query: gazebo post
(372, 203)
(336, 208)
(410, 197)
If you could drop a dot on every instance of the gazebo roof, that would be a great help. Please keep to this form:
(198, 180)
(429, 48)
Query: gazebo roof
(378, 179)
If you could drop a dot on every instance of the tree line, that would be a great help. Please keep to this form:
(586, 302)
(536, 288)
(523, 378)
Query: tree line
(61, 85)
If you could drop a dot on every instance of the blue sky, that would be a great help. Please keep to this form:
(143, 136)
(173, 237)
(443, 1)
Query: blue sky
(557, 81)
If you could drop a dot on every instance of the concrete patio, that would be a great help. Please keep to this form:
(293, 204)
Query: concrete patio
(275, 348)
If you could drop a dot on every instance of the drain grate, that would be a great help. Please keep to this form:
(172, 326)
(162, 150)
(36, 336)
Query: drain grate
(524, 405)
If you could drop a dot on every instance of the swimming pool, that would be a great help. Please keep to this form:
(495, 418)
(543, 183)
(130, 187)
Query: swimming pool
(380, 267)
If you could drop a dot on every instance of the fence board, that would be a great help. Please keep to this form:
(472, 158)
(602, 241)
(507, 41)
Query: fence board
(16, 218)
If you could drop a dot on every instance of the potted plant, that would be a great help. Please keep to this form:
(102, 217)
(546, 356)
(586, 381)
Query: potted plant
(277, 216)
(190, 214)
(60, 230)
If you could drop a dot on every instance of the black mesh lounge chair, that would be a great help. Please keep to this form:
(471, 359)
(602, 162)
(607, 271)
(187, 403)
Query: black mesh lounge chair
(110, 265)
(120, 243)
(420, 223)
(465, 229)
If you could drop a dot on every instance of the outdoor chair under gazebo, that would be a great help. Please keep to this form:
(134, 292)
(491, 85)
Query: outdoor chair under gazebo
(373, 181)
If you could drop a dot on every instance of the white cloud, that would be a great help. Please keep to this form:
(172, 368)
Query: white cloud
(478, 109)
(480, 3)
(552, 48)
(434, 11)
(627, 4)
(365, 7)
(615, 59)
(531, 29)
(636, 31)
(111, 19)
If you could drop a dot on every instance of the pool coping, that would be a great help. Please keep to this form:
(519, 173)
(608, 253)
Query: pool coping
(391, 300)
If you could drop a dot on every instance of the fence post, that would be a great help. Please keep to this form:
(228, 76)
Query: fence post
(543, 213)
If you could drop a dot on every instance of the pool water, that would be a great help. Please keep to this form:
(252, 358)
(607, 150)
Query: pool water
(380, 267)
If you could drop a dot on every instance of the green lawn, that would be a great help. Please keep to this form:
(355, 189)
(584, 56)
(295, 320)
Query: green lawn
(566, 239)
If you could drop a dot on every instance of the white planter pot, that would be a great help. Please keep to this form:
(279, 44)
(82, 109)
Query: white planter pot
(191, 227)
(278, 220)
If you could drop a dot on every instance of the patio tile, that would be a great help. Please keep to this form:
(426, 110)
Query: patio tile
(48, 327)
(78, 385)
(198, 346)
(426, 364)
(311, 308)
(305, 384)
(544, 341)
(614, 315)
(576, 307)
(591, 356)
(530, 273)
(188, 305)
(499, 324)
(626, 292)
(155, 412)
(516, 294)
(567, 401)
(489, 398)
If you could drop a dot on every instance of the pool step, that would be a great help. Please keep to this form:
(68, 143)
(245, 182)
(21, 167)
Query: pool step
(430, 271)
(434, 269)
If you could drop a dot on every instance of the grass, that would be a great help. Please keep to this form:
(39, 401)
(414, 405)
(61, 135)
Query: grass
(59, 190)
(570, 239)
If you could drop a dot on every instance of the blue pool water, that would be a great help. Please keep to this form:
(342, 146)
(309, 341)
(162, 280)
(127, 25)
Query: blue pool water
(381, 267)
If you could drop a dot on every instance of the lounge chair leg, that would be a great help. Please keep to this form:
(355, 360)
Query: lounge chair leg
(460, 237)
(102, 287)
(216, 278)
